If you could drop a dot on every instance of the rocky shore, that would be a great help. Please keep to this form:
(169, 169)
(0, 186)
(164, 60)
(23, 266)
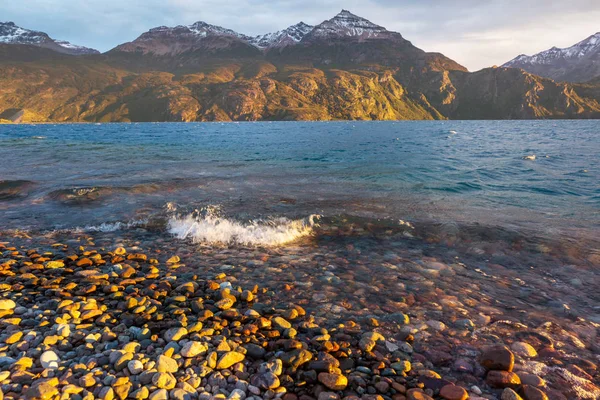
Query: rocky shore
(119, 318)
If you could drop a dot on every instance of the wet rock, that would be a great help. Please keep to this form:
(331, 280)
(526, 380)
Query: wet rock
(417, 394)
(452, 392)
(333, 381)
(533, 393)
(509, 394)
(503, 379)
(523, 349)
(498, 358)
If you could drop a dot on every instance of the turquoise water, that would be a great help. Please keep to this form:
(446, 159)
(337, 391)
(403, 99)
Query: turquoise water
(78, 175)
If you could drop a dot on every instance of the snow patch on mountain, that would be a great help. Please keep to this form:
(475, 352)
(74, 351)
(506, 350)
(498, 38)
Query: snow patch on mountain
(346, 24)
(583, 49)
(291, 35)
(13, 34)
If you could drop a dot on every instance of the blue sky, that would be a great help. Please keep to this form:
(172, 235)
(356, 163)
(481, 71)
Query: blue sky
(476, 33)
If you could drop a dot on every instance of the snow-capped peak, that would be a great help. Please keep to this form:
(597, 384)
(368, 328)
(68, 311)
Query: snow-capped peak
(13, 34)
(346, 24)
(289, 36)
(586, 47)
(203, 29)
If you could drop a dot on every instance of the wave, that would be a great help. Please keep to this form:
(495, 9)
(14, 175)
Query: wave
(10, 190)
(80, 194)
(112, 226)
(208, 227)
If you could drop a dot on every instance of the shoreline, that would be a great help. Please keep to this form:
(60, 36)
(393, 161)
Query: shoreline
(295, 121)
(134, 315)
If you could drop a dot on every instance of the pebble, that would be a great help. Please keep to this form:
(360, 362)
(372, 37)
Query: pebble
(6, 304)
(192, 349)
(503, 379)
(498, 358)
(135, 367)
(523, 349)
(49, 360)
(333, 381)
(452, 392)
(228, 359)
(509, 394)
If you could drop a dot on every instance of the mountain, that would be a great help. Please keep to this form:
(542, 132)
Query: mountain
(346, 24)
(344, 68)
(578, 63)
(166, 41)
(286, 37)
(14, 35)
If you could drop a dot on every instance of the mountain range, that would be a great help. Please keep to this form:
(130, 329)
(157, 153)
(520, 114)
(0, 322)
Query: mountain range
(12, 34)
(343, 68)
(578, 63)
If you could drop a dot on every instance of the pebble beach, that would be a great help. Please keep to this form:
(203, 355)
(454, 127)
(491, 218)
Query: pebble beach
(134, 316)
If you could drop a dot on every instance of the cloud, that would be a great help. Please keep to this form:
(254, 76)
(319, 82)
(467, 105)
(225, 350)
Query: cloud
(473, 32)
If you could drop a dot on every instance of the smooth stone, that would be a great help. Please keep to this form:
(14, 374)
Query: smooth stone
(160, 394)
(509, 394)
(166, 364)
(333, 381)
(228, 359)
(498, 358)
(523, 349)
(533, 393)
(503, 379)
(41, 391)
(7, 304)
(417, 394)
(135, 367)
(175, 334)
(192, 349)
(452, 392)
(237, 394)
(266, 381)
(49, 360)
(163, 380)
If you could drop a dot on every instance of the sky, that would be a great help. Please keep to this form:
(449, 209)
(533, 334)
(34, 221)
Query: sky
(475, 33)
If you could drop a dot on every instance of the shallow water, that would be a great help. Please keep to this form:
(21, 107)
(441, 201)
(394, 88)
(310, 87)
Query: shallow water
(467, 173)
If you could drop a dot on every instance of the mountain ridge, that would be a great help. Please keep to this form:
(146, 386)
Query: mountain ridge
(577, 63)
(346, 68)
(12, 34)
(164, 40)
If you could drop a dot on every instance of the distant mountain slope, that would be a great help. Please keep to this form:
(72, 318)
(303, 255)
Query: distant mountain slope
(13, 35)
(578, 63)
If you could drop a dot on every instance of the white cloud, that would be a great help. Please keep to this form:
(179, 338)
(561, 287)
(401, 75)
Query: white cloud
(475, 33)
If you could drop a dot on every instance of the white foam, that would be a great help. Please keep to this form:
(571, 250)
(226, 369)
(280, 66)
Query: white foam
(213, 229)
(112, 226)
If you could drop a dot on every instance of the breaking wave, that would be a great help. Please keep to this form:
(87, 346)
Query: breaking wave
(112, 226)
(208, 227)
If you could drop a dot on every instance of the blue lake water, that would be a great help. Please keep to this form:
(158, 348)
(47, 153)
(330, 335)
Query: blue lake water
(452, 172)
